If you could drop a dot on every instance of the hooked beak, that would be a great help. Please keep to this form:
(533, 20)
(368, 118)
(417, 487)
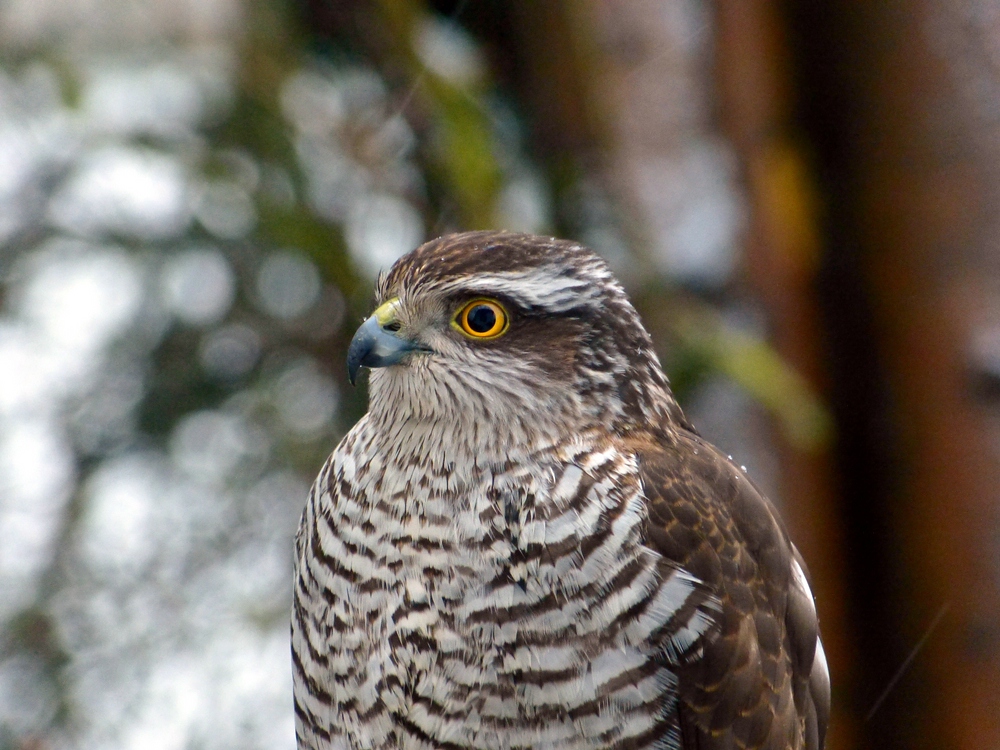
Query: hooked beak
(377, 344)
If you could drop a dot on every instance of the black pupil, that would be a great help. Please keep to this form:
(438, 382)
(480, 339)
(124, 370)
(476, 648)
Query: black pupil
(481, 318)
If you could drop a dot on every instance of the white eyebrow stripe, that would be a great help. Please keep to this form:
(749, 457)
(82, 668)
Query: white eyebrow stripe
(535, 288)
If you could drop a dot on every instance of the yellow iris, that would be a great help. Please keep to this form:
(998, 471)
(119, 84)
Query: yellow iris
(482, 319)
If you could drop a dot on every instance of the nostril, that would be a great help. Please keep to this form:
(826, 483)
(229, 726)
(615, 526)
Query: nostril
(391, 326)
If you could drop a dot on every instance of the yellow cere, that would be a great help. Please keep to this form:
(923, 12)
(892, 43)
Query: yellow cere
(386, 312)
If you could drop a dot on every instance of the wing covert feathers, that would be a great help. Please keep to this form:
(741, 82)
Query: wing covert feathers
(759, 679)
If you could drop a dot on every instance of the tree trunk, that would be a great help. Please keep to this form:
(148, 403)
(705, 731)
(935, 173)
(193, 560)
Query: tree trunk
(901, 101)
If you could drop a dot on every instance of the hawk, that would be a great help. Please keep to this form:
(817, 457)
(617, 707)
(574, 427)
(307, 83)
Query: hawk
(524, 544)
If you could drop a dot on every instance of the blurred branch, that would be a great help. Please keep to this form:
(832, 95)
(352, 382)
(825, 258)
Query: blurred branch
(271, 51)
(759, 369)
(462, 146)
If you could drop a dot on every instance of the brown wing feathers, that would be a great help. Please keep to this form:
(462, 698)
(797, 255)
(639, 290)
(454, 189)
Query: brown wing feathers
(749, 686)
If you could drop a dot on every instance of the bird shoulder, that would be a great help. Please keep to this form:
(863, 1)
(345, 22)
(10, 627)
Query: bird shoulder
(750, 680)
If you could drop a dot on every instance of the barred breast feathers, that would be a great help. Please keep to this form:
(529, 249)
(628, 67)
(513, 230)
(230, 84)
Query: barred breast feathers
(541, 587)
(532, 608)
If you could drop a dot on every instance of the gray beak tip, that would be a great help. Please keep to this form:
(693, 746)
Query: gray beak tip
(374, 346)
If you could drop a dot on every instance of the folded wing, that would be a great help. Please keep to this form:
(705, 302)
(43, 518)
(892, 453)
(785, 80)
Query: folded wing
(758, 678)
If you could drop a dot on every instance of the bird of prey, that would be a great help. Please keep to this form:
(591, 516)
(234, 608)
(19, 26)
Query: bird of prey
(524, 544)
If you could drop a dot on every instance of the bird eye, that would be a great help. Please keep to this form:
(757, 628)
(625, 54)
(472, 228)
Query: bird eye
(482, 319)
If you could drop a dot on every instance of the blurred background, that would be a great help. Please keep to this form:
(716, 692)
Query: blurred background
(195, 196)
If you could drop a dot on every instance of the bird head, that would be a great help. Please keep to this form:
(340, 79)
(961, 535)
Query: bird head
(509, 332)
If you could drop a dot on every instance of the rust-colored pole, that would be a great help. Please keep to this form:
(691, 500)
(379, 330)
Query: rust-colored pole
(903, 101)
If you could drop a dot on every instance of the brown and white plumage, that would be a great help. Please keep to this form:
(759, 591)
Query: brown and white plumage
(524, 545)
